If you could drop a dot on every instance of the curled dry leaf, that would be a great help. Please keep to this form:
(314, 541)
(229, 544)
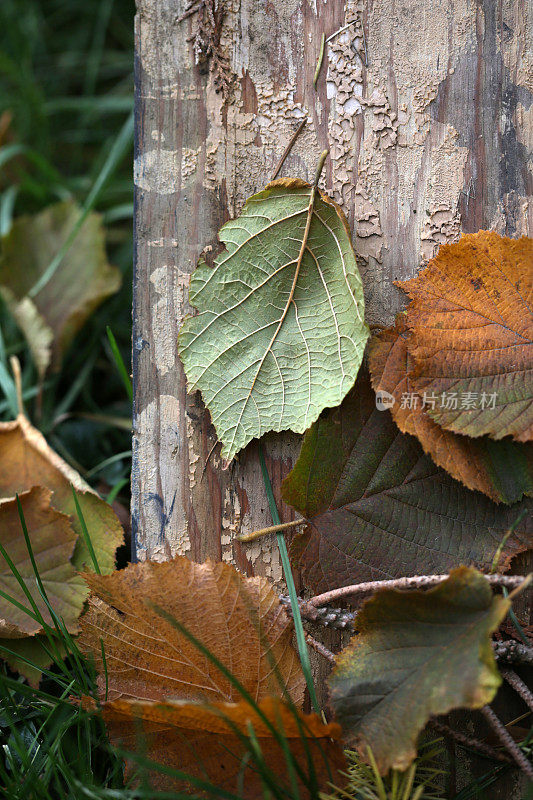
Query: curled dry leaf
(378, 507)
(280, 333)
(83, 279)
(471, 317)
(240, 620)
(416, 654)
(28, 461)
(53, 541)
(503, 470)
(210, 743)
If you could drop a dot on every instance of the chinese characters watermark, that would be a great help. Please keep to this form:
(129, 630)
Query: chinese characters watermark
(450, 401)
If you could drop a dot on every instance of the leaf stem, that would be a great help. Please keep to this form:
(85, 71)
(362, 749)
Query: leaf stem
(318, 173)
(288, 149)
(283, 526)
(320, 60)
(415, 582)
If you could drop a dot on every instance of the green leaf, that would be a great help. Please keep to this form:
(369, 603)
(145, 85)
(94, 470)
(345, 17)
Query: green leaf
(82, 280)
(416, 654)
(379, 508)
(280, 333)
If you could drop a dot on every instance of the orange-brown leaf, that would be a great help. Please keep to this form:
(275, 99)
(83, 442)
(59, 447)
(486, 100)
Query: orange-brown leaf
(52, 540)
(240, 620)
(204, 742)
(28, 461)
(502, 470)
(471, 317)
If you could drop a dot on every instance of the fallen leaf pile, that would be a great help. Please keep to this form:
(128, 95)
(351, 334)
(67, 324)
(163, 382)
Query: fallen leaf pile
(503, 469)
(384, 482)
(458, 363)
(161, 688)
(377, 507)
(43, 481)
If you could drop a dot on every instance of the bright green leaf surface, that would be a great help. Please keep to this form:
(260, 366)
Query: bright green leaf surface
(263, 358)
(416, 654)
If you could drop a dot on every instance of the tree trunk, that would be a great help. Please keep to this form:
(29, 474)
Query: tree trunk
(426, 109)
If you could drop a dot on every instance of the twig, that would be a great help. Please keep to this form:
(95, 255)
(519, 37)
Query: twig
(364, 44)
(320, 60)
(512, 652)
(519, 686)
(508, 652)
(288, 149)
(508, 741)
(344, 27)
(521, 586)
(468, 741)
(193, 8)
(326, 617)
(208, 459)
(17, 377)
(319, 647)
(251, 537)
(416, 582)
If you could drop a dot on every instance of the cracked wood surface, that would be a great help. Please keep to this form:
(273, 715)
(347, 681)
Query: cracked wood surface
(427, 110)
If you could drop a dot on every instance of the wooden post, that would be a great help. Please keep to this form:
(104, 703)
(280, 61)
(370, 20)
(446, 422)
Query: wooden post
(426, 109)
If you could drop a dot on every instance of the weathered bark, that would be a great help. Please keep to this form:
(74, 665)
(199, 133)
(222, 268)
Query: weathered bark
(426, 109)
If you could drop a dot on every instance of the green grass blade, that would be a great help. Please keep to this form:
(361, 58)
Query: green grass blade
(107, 462)
(204, 786)
(287, 573)
(227, 674)
(119, 361)
(117, 152)
(30, 550)
(85, 532)
(115, 490)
